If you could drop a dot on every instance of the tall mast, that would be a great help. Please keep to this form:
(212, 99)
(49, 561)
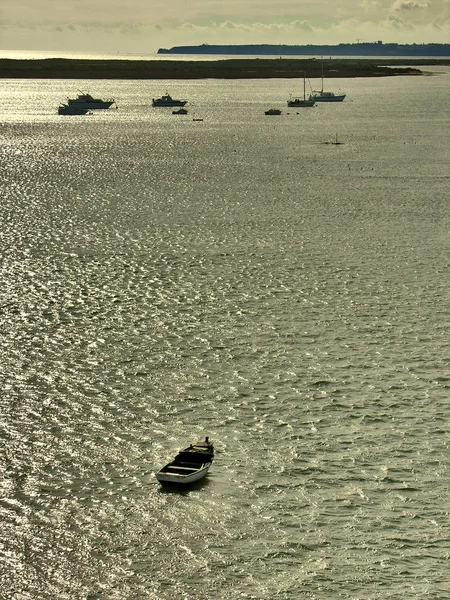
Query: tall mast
(322, 74)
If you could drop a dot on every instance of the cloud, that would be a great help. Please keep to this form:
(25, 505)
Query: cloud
(258, 27)
(398, 24)
(407, 5)
(257, 30)
(142, 26)
(302, 25)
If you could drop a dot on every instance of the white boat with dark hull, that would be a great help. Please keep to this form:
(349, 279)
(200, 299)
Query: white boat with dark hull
(167, 100)
(189, 465)
(321, 96)
(87, 101)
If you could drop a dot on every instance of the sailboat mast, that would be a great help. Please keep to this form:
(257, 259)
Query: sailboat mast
(321, 91)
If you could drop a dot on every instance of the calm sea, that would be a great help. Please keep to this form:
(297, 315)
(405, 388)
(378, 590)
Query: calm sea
(164, 278)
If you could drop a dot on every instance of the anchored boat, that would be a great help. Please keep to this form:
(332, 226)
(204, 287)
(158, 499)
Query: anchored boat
(299, 102)
(66, 109)
(167, 100)
(321, 96)
(87, 101)
(189, 465)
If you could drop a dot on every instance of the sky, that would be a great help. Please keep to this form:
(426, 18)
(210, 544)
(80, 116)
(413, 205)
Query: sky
(143, 26)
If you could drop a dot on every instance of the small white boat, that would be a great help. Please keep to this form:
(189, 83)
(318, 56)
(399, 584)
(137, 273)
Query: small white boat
(167, 100)
(87, 101)
(273, 111)
(189, 465)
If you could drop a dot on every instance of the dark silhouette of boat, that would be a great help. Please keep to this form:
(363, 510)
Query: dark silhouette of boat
(67, 109)
(84, 100)
(189, 465)
(167, 100)
(302, 103)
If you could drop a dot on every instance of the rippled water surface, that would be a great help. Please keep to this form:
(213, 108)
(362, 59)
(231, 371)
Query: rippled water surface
(165, 278)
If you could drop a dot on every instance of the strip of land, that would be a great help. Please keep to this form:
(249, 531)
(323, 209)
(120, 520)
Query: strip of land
(240, 68)
(358, 49)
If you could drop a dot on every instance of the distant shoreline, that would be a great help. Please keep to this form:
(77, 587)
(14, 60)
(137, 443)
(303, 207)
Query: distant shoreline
(366, 49)
(239, 68)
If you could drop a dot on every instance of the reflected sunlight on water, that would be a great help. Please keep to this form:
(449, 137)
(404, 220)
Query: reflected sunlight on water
(165, 278)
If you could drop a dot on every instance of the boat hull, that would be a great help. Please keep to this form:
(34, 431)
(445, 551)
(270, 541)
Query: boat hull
(329, 98)
(72, 110)
(173, 475)
(92, 105)
(301, 103)
(168, 103)
(189, 465)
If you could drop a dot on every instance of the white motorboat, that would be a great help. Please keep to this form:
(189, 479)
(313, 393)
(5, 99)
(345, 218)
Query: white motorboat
(189, 465)
(87, 101)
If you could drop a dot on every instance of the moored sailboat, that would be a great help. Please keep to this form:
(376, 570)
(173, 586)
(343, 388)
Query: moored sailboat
(322, 96)
(301, 103)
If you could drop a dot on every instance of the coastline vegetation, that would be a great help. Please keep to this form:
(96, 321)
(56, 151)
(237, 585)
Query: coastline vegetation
(239, 68)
